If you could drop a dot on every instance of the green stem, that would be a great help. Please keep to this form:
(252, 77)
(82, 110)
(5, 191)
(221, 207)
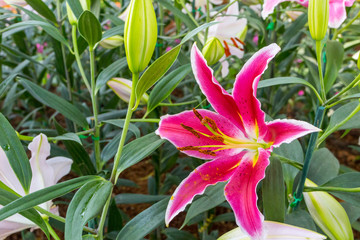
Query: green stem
(150, 120)
(60, 219)
(311, 147)
(103, 218)
(95, 111)
(77, 57)
(337, 126)
(182, 2)
(288, 161)
(337, 32)
(354, 83)
(114, 173)
(321, 77)
(51, 230)
(207, 19)
(331, 189)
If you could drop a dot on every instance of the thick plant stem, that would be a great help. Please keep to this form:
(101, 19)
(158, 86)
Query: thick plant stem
(114, 173)
(309, 152)
(96, 138)
(103, 218)
(77, 57)
(321, 77)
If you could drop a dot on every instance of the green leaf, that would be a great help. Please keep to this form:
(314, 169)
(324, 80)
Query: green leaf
(292, 151)
(196, 31)
(15, 153)
(131, 154)
(76, 7)
(110, 72)
(273, 192)
(166, 85)
(346, 180)
(176, 234)
(40, 7)
(334, 60)
(43, 195)
(118, 30)
(120, 123)
(55, 102)
(323, 167)
(156, 70)
(145, 222)
(48, 28)
(4, 84)
(85, 205)
(300, 218)
(132, 198)
(90, 28)
(212, 197)
(68, 136)
(284, 80)
(343, 112)
(7, 197)
(82, 162)
(184, 18)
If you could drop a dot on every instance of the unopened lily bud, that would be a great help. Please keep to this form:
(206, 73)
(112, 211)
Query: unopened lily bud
(140, 34)
(213, 50)
(112, 42)
(122, 88)
(328, 214)
(358, 62)
(85, 4)
(318, 17)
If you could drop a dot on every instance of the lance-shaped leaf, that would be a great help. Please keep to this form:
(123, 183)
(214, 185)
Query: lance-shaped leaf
(90, 28)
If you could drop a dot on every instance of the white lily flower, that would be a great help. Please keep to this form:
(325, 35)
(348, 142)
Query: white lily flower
(231, 32)
(45, 173)
(275, 231)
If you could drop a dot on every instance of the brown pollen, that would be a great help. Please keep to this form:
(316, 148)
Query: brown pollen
(190, 129)
(210, 122)
(207, 152)
(197, 114)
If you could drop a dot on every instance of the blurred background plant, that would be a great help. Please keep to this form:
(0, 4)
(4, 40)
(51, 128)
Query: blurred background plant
(64, 67)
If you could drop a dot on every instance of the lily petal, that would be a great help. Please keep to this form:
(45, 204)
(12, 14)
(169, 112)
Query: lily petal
(337, 13)
(61, 166)
(269, 6)
(220, 100)
(7, 228)
(209, 173)
(287, 130)
(172, 128)
(276, 231)
(7, 175)
(349, 3)
(240, 192)
(245, 88)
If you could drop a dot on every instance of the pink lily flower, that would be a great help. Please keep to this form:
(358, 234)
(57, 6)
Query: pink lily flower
(45, 173)
(235, 138)
(337, 11)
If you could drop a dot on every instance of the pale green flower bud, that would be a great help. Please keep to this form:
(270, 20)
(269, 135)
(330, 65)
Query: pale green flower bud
(242, 35)
(213, 50)
(328, 214)
(318, 17)
(72, 18)
(358, 62)
(122, 88)
(140, 34)
(112, 42)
